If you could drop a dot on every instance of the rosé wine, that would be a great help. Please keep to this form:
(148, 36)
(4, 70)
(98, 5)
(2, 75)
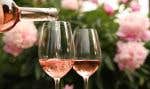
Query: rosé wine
(86, 67)
(56, 68)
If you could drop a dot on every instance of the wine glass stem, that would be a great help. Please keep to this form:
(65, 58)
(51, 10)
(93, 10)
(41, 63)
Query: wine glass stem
(86, 82)
(57, 80)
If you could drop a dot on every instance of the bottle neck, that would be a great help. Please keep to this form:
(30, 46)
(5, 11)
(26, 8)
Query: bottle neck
(38, 14)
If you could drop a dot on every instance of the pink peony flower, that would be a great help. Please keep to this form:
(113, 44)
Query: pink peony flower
(134, 27)
(68, 86)
(12, 49)
(108, 9)
(23, 35)
(135, 6)
(130, 55)
(95, 1)
(70, 4)
(146, 35)
(87, 6)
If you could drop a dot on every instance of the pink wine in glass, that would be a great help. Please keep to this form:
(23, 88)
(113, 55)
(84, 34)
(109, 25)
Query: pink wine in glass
(86, 67)
(56, 68)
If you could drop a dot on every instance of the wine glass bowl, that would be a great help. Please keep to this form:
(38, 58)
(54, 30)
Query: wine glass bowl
(86, 68)
(56, 49)
(88, 53)
(56, 68)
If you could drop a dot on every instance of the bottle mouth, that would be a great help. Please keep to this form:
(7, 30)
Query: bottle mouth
(61, 21)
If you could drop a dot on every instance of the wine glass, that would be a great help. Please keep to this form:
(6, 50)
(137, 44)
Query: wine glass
(88, 53)
(56, 49)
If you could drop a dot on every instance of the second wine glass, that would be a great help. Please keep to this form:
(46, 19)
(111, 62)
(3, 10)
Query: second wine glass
(56, 49)
(88, 53)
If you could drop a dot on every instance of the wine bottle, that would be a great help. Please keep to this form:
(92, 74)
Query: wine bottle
(10, 14)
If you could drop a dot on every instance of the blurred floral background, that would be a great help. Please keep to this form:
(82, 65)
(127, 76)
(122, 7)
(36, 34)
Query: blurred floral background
(124, 33)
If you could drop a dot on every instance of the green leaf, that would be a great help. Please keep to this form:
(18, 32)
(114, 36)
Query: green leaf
(38, 72)
(109, 63)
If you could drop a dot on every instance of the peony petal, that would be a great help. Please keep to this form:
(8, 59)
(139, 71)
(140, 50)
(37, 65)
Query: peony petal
(108, 9)
(88, 6)
(23, 35)
(135, 6)
(12, 49)
(132, 27)
(146, 35)
(131, 55)
(69, 86)
(70, 4)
